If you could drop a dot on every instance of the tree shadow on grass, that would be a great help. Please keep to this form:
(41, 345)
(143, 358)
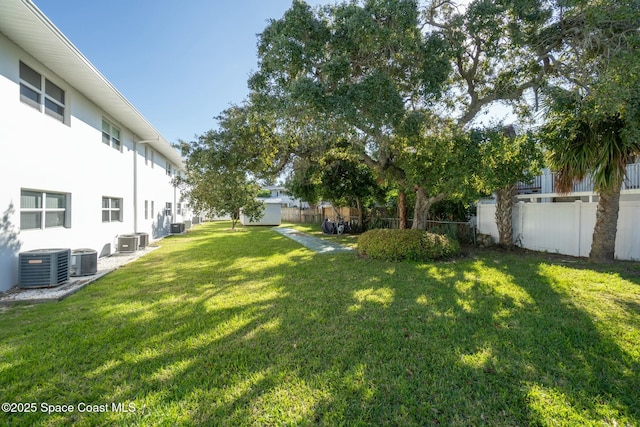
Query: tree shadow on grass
(252, 329)
(571, 368)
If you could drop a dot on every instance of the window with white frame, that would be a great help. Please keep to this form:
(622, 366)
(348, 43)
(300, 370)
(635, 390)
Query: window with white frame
(168, 168)
(111, 135)
(111, 209)
(152, 204)
(42, 209)
(146, 209)
(32, 84)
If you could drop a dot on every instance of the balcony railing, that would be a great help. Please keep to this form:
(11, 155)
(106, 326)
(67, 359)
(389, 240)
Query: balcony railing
(545, 183)
(534, 187)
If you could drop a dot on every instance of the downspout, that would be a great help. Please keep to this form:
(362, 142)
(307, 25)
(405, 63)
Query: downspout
(175, 205)
(135, 186)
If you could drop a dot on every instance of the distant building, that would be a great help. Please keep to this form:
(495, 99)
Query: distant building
(287, 201)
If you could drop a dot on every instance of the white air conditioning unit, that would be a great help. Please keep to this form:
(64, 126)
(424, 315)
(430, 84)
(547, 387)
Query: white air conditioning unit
(128, 243)
(143, 240)
(43, 268)
(84, 262)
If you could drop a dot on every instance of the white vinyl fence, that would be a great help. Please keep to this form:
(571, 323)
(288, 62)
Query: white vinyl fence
(565, 228)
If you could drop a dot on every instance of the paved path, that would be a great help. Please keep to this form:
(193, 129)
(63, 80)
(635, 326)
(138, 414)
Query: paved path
(314, 243)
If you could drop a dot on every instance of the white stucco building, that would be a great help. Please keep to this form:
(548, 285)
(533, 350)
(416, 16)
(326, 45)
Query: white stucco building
(80, 165)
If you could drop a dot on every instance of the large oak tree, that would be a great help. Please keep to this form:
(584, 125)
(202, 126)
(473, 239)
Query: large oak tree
(365, 69)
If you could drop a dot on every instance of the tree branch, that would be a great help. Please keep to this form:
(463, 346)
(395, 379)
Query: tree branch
(477, 104)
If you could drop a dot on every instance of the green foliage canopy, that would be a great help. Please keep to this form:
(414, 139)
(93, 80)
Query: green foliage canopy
(216, 179)
(362, 68)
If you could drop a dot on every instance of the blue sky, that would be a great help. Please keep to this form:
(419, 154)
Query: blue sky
(179, 62)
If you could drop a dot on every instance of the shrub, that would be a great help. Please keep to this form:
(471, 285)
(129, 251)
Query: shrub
(414, 245)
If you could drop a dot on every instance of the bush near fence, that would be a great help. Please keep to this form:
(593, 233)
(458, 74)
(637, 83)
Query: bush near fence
(464, 232)
(412, 245)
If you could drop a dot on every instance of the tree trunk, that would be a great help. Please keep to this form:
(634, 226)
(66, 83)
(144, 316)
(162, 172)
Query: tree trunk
(402, 209)
(360, 214)
(603, 246)
(421, 209)
(504, 215)
(235, 217)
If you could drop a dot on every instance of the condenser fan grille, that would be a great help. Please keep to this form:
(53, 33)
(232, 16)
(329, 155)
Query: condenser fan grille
(44, 267)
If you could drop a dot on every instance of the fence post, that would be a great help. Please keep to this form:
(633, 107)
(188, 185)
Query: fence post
(520, 235)
(577, 220)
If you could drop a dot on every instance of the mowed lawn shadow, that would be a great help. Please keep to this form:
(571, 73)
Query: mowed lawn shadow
(248, 328)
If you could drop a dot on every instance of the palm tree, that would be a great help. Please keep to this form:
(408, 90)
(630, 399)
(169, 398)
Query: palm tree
(584, 143)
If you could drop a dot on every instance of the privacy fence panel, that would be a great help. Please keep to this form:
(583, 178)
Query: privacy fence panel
(628, 242)
(565, 228)
(301, 216)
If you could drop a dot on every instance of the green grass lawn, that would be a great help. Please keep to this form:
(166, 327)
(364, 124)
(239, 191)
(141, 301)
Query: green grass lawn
(249, 328)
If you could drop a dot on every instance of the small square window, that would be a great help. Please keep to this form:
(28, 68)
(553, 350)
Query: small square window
(111, 209)
(111, 135)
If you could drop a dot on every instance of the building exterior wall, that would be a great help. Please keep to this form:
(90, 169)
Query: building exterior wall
(41, 153)
(154, 188)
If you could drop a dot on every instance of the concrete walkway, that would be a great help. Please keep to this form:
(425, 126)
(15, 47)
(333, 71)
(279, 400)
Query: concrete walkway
(316, 244)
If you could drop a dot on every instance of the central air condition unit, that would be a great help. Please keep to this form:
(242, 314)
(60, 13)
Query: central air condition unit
(177, 228)
(43, 268)
(84, 262)
(143, 240)
(128, 243)
(187, 224)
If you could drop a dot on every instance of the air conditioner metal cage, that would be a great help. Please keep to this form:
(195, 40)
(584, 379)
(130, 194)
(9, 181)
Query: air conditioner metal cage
(84, 262)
